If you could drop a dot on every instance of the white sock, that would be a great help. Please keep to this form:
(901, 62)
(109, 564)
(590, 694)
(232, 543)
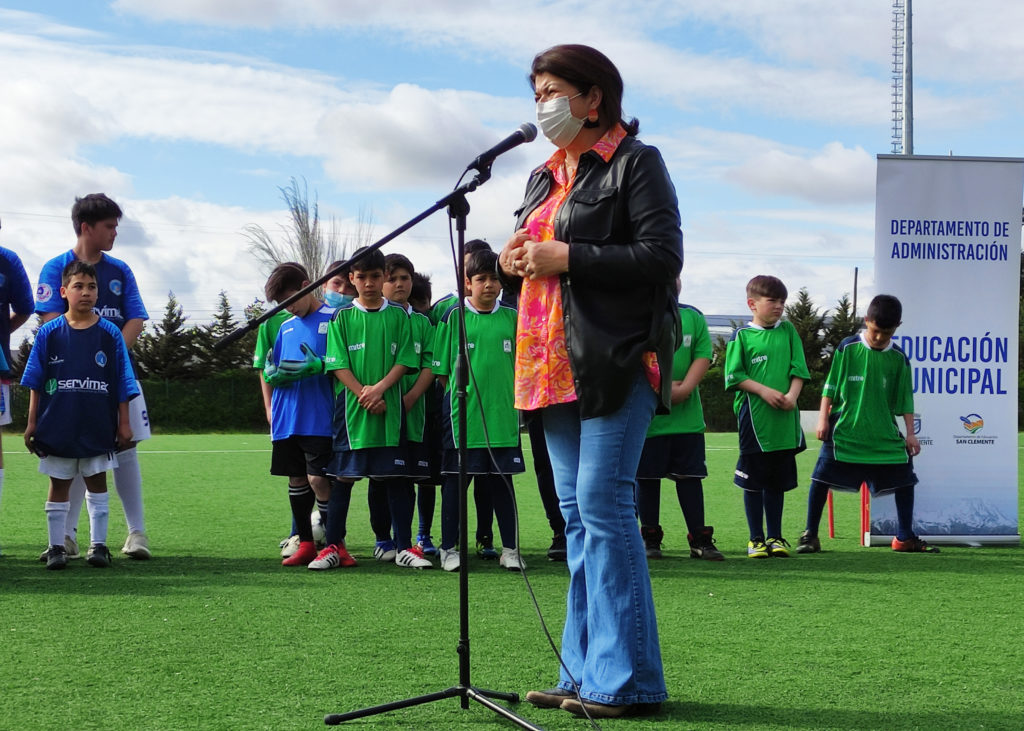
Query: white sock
(76, 495)
(56, 515)
(98, 504)
(128, 483)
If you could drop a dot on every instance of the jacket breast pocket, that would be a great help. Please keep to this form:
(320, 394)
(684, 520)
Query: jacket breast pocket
(592, 215)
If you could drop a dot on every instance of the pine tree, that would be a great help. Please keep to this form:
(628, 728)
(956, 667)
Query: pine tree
(169, 351)
(809, 324)
(231, 357)
(842, 325)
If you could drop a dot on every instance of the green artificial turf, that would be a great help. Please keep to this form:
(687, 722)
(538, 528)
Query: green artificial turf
(214, 633)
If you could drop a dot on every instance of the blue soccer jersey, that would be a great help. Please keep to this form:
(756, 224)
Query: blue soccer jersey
(304, 407)
(16, 296)
(81, 377)
(117, 297)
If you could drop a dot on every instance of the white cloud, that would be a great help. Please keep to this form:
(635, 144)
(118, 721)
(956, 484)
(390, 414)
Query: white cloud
(835, 175)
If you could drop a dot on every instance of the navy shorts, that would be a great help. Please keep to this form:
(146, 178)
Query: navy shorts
(507, 461)
(764, 471)
(298, 455)
(880, 478)
(674, 456)
(418, 461)
(376, 462)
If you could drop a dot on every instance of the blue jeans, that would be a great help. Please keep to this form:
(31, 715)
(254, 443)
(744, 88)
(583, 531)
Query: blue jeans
(610, 642)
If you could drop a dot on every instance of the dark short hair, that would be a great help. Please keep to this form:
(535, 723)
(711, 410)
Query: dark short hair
(286, 277)
(885, 311)
(765, 285)
(476, 245)
(421, 290)
(76, 268)
(585, 67)
(481, 262)
(92, 209)
(373, 260)
(335, 264)
(398, 261)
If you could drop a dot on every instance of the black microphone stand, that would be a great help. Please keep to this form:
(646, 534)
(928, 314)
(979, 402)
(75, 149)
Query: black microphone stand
(458, 208)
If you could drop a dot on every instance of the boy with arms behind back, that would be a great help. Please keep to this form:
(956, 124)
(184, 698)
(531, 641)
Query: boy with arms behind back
(868, 386)
(80, 380)
(765, 366)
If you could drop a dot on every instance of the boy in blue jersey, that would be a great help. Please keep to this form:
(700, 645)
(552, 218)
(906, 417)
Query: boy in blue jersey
(300, 410)
(369, 349)
(16, 306)
(95, 219)
(492, 423)
(765, 367)
(80, 380)
(868, 386)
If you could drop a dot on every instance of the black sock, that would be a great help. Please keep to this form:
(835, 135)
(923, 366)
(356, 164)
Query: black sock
(302, 501)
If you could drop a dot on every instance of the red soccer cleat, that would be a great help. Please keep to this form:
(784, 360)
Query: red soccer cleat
(303, 557)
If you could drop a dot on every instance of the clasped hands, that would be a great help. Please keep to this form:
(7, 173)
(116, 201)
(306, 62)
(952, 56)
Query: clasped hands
(524, 257)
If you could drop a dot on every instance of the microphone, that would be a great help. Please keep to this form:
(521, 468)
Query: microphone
(526, 133)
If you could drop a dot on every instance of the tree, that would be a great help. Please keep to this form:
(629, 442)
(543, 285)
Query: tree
(170, 350)
(231, 357)
(304, 240)
(843, 324)
(809, 324)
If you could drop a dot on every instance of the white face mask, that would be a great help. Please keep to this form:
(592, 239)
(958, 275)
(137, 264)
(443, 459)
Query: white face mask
(556, 121)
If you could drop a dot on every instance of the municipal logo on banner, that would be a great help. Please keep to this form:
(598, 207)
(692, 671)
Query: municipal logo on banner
(974, 425)
(922, 439)
(101, 358)
(115, 287)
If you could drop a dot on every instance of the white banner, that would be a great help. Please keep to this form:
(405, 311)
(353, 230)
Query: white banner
(947, 243)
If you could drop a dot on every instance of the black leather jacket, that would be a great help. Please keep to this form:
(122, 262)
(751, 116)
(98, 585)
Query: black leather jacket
(621, 221)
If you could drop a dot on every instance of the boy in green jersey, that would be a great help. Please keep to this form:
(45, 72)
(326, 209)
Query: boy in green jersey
(765, 366)
(492, 423)
(369, 349)
(675, 446)
(868, 386)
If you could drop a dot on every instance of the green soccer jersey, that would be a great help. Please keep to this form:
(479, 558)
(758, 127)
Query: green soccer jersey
(370, 344)
(439, 308)
(266, 334)
(773, 357)
(688, 416)
(490, 341)
(423, 344)
(869, 388)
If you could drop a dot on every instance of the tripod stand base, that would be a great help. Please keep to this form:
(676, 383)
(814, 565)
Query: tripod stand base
(465, 692)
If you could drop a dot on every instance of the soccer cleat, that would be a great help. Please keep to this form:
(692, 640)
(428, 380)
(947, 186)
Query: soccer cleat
(347, 561)
(289, 546)
(302, 557)
(413, 558)
(511, 560)
(319, 534)
(426, 544)
(652, 540)
(808, 543)
(756, 548)
(56, 558)
(703, 545)
(328, 558)
(556, 551)
(136, 546)
(385, 551)
(913, 545)
(450, 560)
(70, 549)
(485, 549)
(98, 555)
(779, 547)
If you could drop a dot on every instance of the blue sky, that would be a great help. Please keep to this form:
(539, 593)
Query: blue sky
(192, 114)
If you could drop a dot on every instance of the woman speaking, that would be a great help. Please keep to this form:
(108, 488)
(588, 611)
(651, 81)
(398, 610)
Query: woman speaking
(595, 256)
